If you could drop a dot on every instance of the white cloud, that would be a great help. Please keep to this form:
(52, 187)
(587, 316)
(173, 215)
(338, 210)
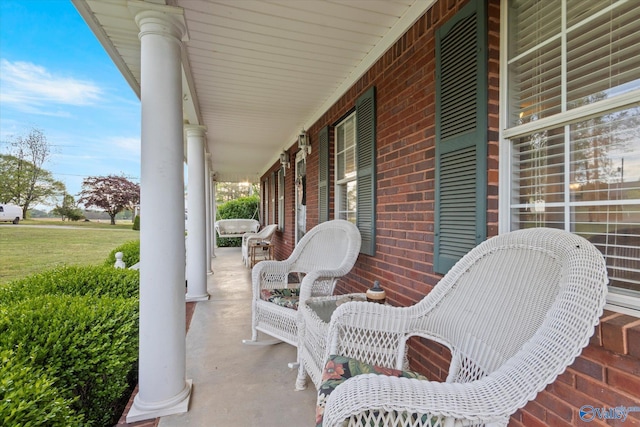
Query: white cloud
(30, 87)
(129, 145)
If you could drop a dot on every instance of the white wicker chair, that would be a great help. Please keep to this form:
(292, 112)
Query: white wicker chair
(515, 312)
(262, 236)
(325, 253)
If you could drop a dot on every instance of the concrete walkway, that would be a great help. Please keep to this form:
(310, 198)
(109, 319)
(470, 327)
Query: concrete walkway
(235, 385)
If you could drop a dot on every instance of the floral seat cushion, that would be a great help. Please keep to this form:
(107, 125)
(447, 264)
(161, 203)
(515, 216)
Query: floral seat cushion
(288, 298)
(339, 369)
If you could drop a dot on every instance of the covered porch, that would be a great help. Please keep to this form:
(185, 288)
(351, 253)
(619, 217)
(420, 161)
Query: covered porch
(235, 385)
(237, 90)
(226, 88)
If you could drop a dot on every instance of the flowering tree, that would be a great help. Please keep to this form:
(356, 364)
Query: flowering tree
(112, 193)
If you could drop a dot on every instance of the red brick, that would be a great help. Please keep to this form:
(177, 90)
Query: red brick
(593, 423)
(624, 382)
(588, 367)
(568, 378)
(596, 338)
(556, 421)
(555, 406)
(517, 416)
(629, 422)
(530, 420)
(614, 334)
(604, 357)
(515, 423)
(536, 410)
(599, 392)
(571, 396)
(633, 341)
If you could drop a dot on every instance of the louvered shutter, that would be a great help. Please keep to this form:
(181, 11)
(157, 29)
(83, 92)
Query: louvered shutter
(461, 135)
(272, 197)
(323, 174)
(366, 170)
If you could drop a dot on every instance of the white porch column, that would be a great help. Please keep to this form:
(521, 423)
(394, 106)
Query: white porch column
(214, 214)
(208, 223)
(163, 389)
(196, 209)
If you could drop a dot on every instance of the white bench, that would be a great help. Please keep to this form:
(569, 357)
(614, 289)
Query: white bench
(236, 227)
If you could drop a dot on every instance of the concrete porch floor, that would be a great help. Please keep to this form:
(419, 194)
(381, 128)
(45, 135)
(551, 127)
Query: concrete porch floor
(235, 385)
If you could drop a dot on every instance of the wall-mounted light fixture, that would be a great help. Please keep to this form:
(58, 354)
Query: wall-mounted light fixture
(284, 161)
(304, 144)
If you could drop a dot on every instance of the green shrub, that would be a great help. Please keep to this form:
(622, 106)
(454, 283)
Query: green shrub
(241, 208)
(28, 397)
(74, 281)
(130, 253)
(87, 345)
(136, 223)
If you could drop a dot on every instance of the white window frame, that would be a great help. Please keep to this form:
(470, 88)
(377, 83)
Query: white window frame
(341, 184)
(280, 191)
(618, 300)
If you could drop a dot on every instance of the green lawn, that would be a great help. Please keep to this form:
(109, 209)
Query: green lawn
(25, 250)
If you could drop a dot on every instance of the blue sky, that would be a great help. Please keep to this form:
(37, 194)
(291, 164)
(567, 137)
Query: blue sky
(55, 76)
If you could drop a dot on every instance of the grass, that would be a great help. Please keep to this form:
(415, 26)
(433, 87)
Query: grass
(28, 250)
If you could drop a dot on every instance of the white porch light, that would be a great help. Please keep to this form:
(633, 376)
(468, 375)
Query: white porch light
(284, 161)
(304, 144)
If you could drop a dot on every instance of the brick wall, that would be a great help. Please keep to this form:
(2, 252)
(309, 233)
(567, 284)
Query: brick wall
(608, 371)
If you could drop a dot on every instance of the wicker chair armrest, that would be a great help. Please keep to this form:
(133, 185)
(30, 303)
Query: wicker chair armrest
(270, 275)
(247, 236)
(310, 283)
(454, 403)
(371, 332)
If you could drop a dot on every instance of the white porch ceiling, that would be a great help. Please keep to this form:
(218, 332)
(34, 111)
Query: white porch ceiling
(256, 72)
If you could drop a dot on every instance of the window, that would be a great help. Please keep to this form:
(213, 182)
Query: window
(355, 170)
(272, 199)
(281, 199)
(571, 157)
(346, 174)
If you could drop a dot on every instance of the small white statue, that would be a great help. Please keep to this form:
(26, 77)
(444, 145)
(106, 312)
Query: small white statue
(119, 262)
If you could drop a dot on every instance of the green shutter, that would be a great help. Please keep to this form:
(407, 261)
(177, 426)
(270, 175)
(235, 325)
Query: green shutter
(366, 170)
(323, 178)
(461, 135)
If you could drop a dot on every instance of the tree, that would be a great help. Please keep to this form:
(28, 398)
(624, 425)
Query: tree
(112, 193)
(28, 183)
(68, 209)
(227, 191)
(17, 186)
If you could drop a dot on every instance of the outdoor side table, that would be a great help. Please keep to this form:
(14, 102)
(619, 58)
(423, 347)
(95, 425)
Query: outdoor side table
(313, 327)
(266, 249)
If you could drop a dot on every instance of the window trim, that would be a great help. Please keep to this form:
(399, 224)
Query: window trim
(617, 299)
(339, 183)
(273, 199)
(281, 192)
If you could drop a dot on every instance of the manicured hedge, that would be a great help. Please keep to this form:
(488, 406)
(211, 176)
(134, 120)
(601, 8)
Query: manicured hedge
(130, 253)
(75, 281)
(68, 346)
(28, 396)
